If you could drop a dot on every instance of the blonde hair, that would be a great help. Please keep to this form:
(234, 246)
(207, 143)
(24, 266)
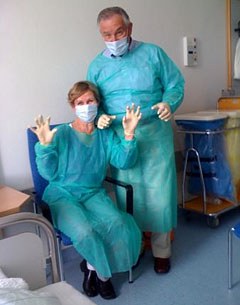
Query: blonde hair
(79, 88)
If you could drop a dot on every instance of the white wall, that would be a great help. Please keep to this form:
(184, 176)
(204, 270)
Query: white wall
(46, 46)
(235, 18)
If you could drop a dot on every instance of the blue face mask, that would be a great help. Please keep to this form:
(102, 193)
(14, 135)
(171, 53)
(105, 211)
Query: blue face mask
(86, 113)
(118, 47)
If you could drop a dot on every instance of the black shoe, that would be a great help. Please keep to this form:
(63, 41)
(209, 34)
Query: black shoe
(106, 289)
(90, 280)
(162, 265)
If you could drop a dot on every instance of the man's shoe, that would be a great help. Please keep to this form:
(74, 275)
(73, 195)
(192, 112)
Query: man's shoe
(106, 289)
(89, 281)
(161, 265)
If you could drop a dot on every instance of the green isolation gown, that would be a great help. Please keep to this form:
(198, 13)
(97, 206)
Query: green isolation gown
(145, 75)
(75, 165)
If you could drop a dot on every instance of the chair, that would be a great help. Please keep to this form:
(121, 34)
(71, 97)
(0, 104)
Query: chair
(233, 232)
(40, 184)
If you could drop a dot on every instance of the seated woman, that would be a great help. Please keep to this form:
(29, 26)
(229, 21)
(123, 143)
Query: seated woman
(74, 159)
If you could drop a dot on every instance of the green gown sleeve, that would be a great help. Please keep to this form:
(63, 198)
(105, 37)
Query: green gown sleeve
(47, 160)
(172, 81)
(124, 153)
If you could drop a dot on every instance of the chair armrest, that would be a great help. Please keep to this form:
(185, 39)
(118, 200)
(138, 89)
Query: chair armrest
(129, 192)
(40, 204)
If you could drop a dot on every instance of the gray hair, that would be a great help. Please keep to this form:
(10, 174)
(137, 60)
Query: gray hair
(111, 11)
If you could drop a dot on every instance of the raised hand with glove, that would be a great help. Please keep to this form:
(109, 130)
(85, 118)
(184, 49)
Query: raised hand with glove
(42, 130)
(130, 121)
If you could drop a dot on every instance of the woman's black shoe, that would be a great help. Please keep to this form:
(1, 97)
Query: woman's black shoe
(106, 289)
(90, 280)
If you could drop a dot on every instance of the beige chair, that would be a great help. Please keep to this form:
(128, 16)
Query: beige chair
(23, 256)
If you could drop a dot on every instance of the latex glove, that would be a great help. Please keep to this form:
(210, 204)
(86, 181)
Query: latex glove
(105, 121)
(42, 130)
(130, 120)
(163, 111)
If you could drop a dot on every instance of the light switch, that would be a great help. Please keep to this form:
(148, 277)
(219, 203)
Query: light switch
(190, 55)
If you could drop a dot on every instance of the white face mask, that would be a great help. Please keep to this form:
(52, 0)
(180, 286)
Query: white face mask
(86, 113)
(118, 47)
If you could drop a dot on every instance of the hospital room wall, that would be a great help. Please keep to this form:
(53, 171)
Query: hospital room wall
(235, 37)
(46, 46)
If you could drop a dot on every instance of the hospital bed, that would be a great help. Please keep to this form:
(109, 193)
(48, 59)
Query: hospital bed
(29, 264)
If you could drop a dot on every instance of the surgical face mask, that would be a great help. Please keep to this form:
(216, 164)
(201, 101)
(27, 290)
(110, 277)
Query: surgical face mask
(118, 47)
(86, 113)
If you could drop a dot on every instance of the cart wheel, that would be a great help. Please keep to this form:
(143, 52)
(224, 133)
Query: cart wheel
(213, 221)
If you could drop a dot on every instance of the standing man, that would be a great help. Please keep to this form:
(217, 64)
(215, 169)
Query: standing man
(131, 71)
